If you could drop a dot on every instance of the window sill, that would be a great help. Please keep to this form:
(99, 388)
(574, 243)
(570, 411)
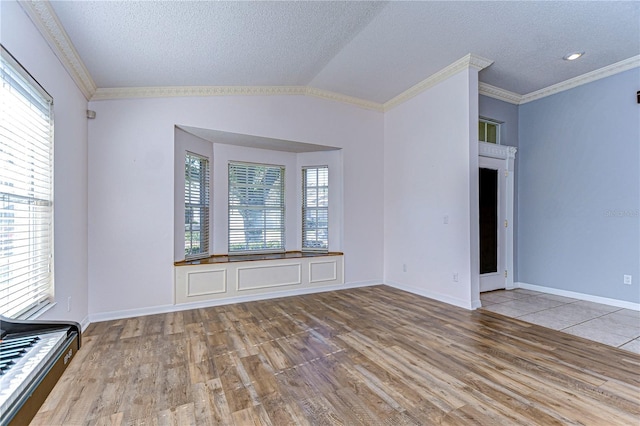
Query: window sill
(224, 258)
(35, 314)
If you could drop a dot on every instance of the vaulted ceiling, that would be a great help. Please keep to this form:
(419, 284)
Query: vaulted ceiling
(368, 50)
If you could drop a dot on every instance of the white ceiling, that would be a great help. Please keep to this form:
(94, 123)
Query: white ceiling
(368, 50)
(241, 139)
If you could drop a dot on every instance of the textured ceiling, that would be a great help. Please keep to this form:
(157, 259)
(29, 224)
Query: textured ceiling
(369, 50)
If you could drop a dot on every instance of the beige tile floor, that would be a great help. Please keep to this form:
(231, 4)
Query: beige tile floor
(606, 324)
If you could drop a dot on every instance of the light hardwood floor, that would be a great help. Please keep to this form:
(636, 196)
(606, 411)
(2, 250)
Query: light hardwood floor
(368, 356)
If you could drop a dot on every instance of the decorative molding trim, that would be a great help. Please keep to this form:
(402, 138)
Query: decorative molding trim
(188, 91)
(45, 19)
(498, 93)
(469, 61)
(492, 150)
(162, 309)
(47, 22)
(589, 77)
(580, 296)
(339, 97)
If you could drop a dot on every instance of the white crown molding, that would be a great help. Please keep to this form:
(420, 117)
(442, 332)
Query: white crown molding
(182, 91)
(45, 19)
(589, 77)
(516, 99)
(498, 93)
(333, 96)
(469, 61)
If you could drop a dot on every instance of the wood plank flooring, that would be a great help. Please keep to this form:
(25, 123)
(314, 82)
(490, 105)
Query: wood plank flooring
(367, 356)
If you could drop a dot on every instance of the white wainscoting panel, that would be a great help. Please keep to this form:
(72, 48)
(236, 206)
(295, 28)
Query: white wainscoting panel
(220, 281)
(206, 282)
(253, 277)
(320, 271)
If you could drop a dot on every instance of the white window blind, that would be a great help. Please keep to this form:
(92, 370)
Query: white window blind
(26, 189)
(256, 208)
(315, 208)
(196, 206)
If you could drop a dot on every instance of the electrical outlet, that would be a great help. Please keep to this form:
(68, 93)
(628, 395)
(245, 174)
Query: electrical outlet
(445, 220)
(455, 277)
(69, 304)
(627, 279)
(404, 267)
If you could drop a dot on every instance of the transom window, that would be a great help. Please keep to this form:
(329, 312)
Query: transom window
(315, 208)
(196, 206)
(256, 208)
(489, 131)
(26, 191)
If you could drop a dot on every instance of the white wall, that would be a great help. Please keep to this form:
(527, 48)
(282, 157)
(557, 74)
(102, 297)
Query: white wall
(431, 172)
(24, 42)
(131, 160)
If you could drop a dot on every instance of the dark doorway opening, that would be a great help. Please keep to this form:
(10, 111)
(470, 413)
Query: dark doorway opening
(488, 221)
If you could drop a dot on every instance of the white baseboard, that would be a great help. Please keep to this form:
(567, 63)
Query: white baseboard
(580, 296)
(84, 323)
(435, 296)
(475, 304)
(163, 309)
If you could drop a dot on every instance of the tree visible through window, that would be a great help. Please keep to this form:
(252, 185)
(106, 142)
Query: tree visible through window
(256, 208)
(196, 206)
(315, 208)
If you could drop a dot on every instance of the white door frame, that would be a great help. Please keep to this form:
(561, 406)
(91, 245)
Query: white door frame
(496, 280)
(507, 154)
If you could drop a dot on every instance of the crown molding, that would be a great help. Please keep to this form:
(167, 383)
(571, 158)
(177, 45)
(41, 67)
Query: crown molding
(516, 99)
(333, 96)
(47, 22)
(498, 93)
(589, 77)
(45, 19)
(182, 91)
(469, 61)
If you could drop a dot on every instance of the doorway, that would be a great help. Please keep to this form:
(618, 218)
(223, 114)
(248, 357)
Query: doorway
(492, 228)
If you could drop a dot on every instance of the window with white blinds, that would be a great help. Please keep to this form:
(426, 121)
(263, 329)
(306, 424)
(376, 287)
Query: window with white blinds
(196, 206)
(315, 208)
(26, 188)
(256, 208)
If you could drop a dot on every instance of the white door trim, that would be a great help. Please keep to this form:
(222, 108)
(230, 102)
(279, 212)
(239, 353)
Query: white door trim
(507, 154)
(497, 280)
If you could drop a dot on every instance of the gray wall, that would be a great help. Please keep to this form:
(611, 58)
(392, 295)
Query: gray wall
(504, 112)
(579, 189)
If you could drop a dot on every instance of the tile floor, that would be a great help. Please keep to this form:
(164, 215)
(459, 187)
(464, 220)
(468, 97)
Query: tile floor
(606, 324)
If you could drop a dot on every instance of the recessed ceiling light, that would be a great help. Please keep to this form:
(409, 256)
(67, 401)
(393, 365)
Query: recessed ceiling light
(573, 56)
